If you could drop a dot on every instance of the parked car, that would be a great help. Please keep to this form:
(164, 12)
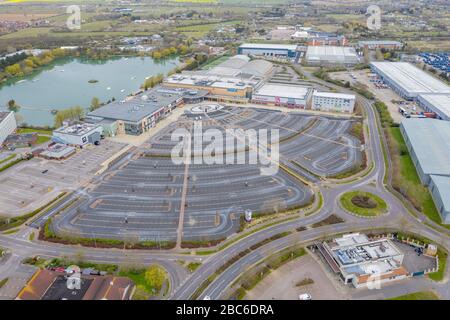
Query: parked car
(304, 296)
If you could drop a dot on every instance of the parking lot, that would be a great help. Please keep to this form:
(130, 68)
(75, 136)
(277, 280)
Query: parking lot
(281, 284)
(144, 197)
(383, 93)
(33, 183)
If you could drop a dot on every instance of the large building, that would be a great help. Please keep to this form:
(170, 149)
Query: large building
(380, 44)
(269, 50)
(230, 81)
(331, 101)
(437, 103)
(7, 125)
(331, 56)
(78, 134)
(407, 80)
(363, 262)
(137, 114)
(282, 95)
(428, 142)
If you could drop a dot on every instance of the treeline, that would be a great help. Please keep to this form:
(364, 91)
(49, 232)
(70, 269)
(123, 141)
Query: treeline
(12, 60)
(30, 63)
(167, 52)
(153, 81)
(190, 64)
(72, 114)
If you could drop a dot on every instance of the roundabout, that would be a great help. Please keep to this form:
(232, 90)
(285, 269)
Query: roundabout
(363, 204)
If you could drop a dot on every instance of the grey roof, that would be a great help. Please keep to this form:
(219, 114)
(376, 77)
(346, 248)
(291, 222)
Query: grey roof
(412, 79)
(332, 54)
(136, 108)
(430, 139)
(388, 42)
(271, 46)
(442, 184)
(440, 103)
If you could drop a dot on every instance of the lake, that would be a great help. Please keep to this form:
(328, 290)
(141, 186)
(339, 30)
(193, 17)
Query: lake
(65, 84)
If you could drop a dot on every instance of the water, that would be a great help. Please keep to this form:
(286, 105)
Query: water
(64, 84)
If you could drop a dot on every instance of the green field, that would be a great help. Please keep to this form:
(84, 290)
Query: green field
(379, 205)
(426, 295)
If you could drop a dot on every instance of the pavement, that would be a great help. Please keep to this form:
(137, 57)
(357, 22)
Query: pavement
(184, 285)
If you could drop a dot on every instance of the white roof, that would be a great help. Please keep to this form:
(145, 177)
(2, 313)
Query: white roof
(331, 52)
(442, 183)
(292, 47)
(430, 139)
(334, 95)
(285, 91)
(441, 102)
(410, 78)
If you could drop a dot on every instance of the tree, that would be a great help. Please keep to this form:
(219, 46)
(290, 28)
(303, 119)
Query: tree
(74, 113)
(12, 106)
(155, 276)
(95, 104)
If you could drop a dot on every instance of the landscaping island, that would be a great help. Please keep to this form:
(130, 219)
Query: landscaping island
(364, 204)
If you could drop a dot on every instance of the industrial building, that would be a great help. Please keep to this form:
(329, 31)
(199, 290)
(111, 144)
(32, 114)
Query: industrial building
(331, 56)
(331, 101)
(7, 125)
(269, 50)
(380, 44)
(137, 114)
(440, 191)
(428, 142)
(363, 262)
(78, 134)
(437, 103)
(407, 80)
(230, 81)
(291, 96)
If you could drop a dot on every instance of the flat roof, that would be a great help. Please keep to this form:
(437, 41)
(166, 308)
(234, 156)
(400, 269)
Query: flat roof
(430, 139)
(331, 51)
(438, 101)
(443, 185)
(363, 42)
(280, 90)
(136, 108)
(79, 129)
(411, 78)
(270, 46)
(202, 80)
(334, 95)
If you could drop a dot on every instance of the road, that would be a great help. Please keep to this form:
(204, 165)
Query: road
(184, 285)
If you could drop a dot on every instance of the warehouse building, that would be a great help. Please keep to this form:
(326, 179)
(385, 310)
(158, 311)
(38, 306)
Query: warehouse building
(407, 80)
(137, 114)
(269, 50)
(363, 262)
(333, 102)
(428, 142)
(7, 125)
(78, 134)
(440, 191)
(331, 56)
(282, 95)
(437, 103)
(380, 44)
